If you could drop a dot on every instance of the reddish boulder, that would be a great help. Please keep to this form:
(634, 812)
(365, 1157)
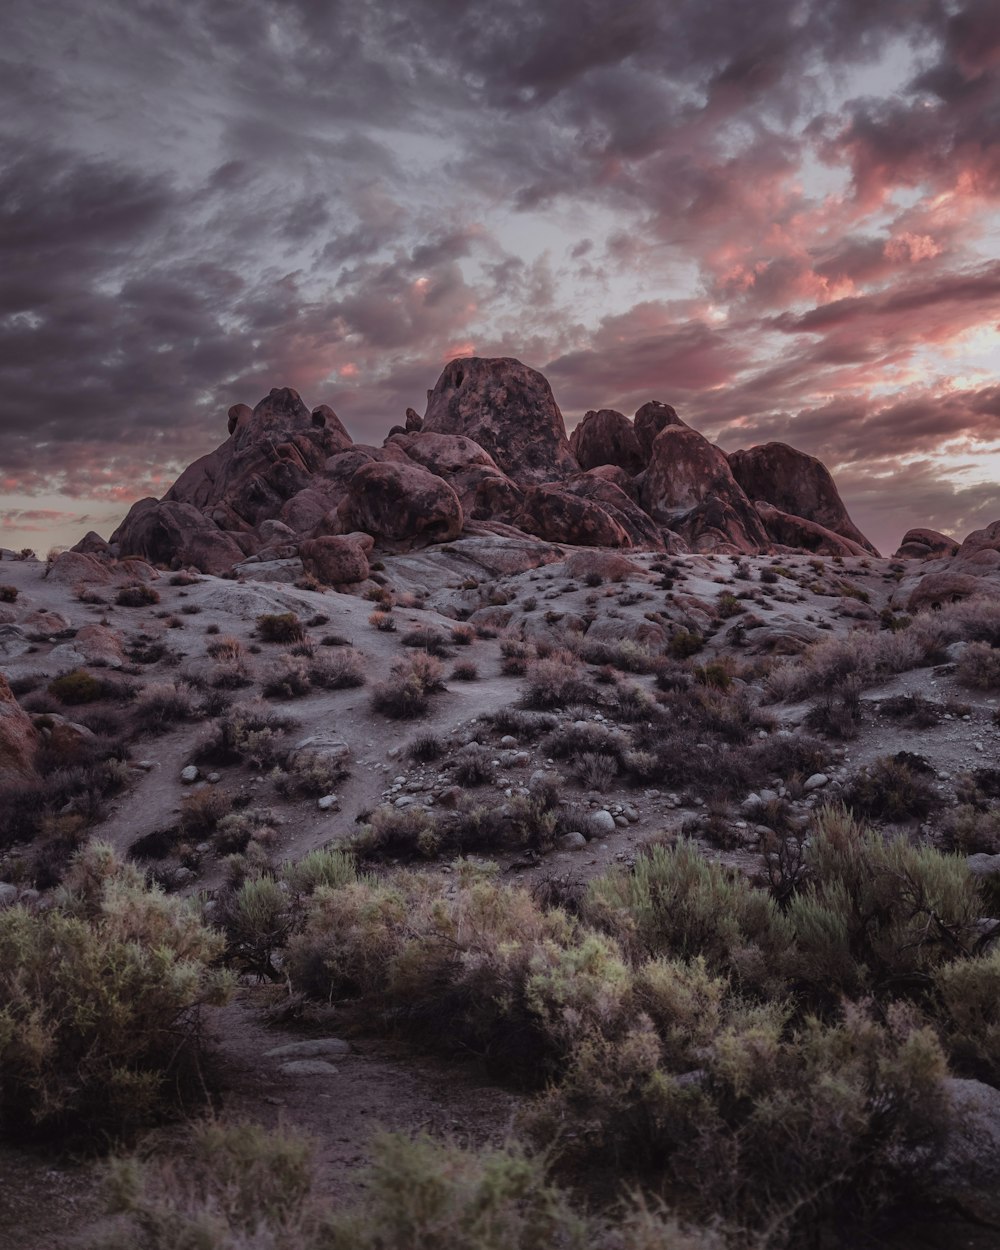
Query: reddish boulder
(937, 589)
(607, 437)
(401, 503)
(803, 535)
(793, 482)
(650, 419)
(509, 410)
(925, 544)
(689, 488)
(18, 738)
(641, 529)
(175, 534)
(558, 516)
(337, 560)
(606, 564)
(987, 539)
(76, 567)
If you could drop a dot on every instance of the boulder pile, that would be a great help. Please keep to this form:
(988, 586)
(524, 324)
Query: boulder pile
(289, 493)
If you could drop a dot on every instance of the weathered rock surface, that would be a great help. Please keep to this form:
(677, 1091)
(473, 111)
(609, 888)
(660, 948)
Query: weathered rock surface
(337, 559)
(401, 504)
(176, 534)
(925, 544)
(937, 589)
(485, 491)
(18, 738)
(641, 529)
(689, 488)
(649, 420)
(558, 516)
(509, 410)
(796, 483)
(607, 437)
(803, 535)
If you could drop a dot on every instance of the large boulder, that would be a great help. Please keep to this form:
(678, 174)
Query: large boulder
(689, 488)
(987, 539)
(794, 482)
(486, 492)
(18, 738)
(401, 504)
(78, 568)
(937, 589)
(509, 410)
(178, 535)
(803, 535)
(641, 529)
(559, 516)
(337, 560)
(925, 544)
(649, 420)
(607, 437)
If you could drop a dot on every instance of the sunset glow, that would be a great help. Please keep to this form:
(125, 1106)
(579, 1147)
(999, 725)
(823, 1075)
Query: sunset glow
(781, 219)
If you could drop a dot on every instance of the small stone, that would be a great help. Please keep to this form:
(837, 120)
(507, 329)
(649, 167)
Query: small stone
(8, 894)
(307, 1067)
(404, 800)
(146, 766)
(572, 842)
(190, 774)
(326, 802)
(214, 778)
(602, 823)
(631, 815)
(815, 782)
(508, 740)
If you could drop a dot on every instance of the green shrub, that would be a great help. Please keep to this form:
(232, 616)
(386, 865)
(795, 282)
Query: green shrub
(967, 1005)
(99, 999)
(76, 688)
(554, 682)
(685, 643)
(257, 919)
(676, 903)
(330, 867)
(280, 627)
(137, 595)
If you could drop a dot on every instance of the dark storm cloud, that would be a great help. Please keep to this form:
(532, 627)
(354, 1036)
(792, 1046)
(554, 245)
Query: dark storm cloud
(201, 201)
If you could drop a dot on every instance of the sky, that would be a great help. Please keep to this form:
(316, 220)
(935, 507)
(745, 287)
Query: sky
(783, 218)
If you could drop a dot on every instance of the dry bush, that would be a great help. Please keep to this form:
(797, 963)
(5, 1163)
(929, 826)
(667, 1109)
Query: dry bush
(161, 705)
(77, 687)
(516, 655)
(979, 667)
(626, 655)
(249, 732)
(343, 671)
(384, 622)
(594, 770)
(226, 648)
(202, 809)
(100, 996)
(431, 640)
(288, 678)
(474, 766)
(465, 670)
(137, 595)
(426, 748)
(406, 694)
(970, 831)
(8, 594)
(280, 627)
(555, 682)
(894, 788)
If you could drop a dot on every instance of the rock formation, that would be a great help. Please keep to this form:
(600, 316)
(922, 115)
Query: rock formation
(797, 484)
(289, 494)
(607, 437)
(509, 410)
(925, 544)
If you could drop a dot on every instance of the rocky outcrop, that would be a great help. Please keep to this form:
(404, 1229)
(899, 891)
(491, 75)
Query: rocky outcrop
(18, 738)
(987, 539)
(802, 535)
(486, 492)
(607, 437)
(337, 560)
(937, 589)
(641, 529)
(491, 453)
(650, 419)
(689, 488)
(401, 504)
(509, 410)
(925, 544)
(559, 516)
(178, 535)
(796, 483)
